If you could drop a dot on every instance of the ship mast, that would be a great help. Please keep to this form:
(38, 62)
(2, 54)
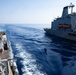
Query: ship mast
(71, 6)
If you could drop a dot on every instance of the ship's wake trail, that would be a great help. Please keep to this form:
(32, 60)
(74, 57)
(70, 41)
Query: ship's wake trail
(30, 66)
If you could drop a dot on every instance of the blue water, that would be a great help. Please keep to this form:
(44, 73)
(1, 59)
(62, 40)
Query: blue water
(28, 43)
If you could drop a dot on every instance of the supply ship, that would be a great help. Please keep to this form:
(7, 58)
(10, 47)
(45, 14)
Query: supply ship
(7, 63)
(64, 26)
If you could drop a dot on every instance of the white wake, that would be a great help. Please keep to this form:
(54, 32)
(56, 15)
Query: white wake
(28, 62)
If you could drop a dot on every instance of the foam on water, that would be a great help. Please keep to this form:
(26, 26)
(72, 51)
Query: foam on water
(28, 62)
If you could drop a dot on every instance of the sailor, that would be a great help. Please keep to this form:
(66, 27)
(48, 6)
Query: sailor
(5, 42)
(1, 44)
(45, 50)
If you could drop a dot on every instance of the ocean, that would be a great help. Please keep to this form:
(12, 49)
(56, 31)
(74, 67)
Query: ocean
(29, 42)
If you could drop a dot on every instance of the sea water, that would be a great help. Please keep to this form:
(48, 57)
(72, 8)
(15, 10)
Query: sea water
(28, 42)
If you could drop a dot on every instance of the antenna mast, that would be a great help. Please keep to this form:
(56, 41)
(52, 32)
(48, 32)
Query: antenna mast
(71, 6)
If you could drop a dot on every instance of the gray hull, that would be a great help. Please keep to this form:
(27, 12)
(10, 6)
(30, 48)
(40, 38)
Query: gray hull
(62, 34)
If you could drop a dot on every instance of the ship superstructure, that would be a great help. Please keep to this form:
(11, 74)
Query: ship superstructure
(64, 26)
(66, 21)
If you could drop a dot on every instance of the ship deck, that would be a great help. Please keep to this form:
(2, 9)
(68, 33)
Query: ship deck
(4, 63)
(5, 54)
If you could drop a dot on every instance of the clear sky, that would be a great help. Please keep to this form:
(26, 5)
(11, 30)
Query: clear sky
(31, 11)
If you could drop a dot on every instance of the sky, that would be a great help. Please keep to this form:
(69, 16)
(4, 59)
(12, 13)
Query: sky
(31, 11)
